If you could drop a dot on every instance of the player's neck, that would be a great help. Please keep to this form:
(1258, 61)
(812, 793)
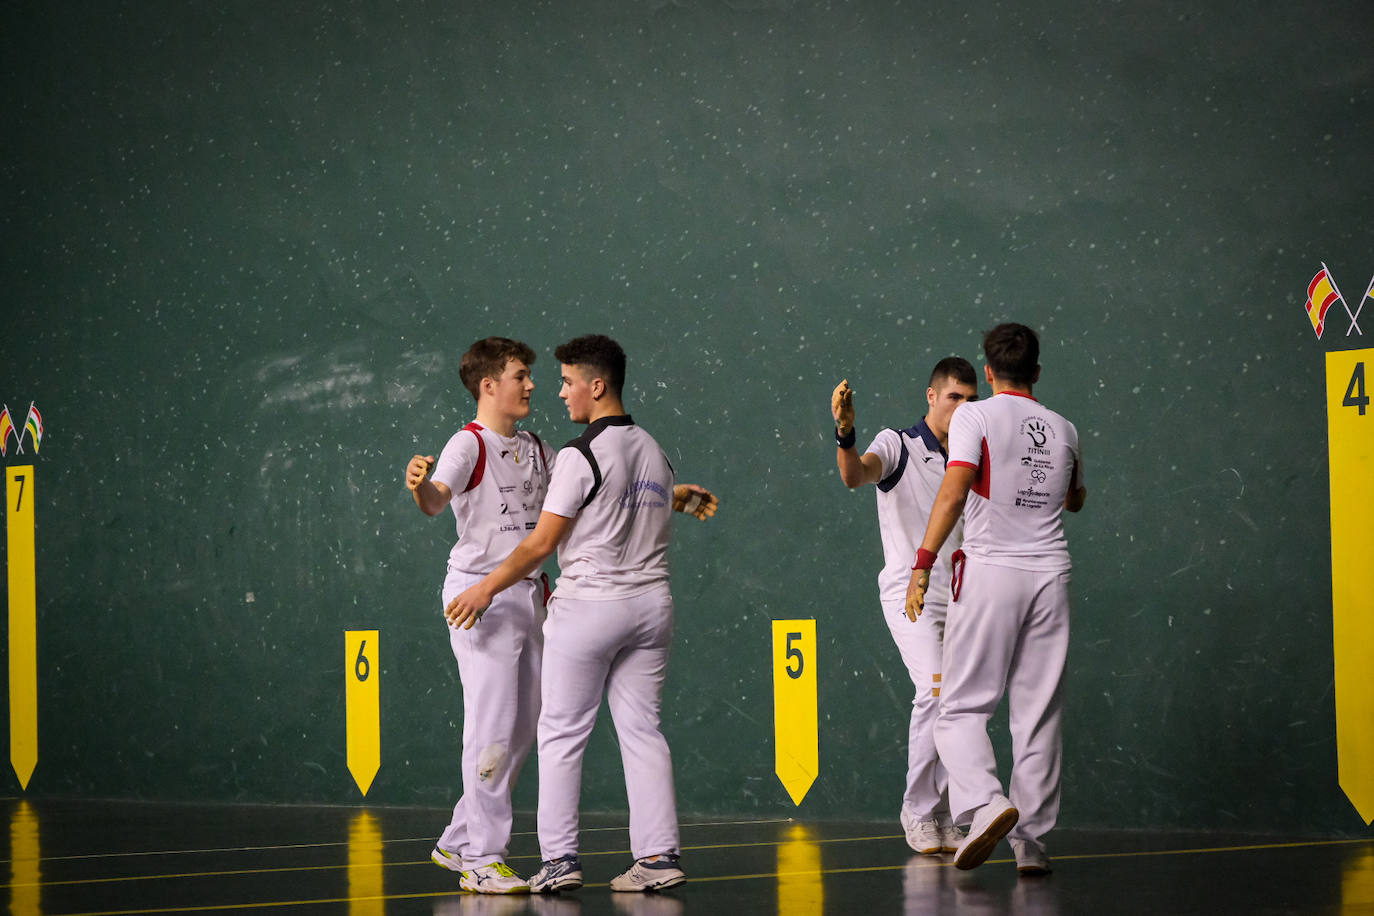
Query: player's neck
(608, 406)
(942, 438)
(999, 386)
(498, 422)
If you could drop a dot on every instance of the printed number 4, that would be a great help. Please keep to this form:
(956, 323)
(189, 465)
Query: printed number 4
(1354, 392)
(794, 652)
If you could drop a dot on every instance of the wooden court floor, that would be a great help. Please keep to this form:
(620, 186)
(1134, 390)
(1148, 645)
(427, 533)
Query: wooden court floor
(70, 857)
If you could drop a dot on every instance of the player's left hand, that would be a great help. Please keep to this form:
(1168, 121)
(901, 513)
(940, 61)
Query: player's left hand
(694, 500)
(468, 608)
(916, 593)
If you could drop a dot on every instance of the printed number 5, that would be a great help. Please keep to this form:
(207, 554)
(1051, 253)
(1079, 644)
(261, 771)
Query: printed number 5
(1354, 392)
(362, 667)
(794, 652)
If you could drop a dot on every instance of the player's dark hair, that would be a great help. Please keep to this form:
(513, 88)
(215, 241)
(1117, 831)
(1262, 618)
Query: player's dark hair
(487, 358)
(955, 367)
(1013, 352)
(598, 353)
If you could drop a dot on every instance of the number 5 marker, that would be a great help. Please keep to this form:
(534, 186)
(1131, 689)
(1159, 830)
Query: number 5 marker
(795, 732)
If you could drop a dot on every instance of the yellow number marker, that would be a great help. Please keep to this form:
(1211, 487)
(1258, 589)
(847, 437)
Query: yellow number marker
(801, 890)
(1350, 441)
(366, 895)
(795, 732)
(23, 623)
(362, 696)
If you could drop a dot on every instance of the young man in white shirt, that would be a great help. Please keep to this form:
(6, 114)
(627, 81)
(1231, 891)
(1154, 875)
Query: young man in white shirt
(494, 478)
(610, 620)
(907, 467)
(1015, 467)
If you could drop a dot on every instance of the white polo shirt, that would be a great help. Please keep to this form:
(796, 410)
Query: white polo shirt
(1026, 457)
(496, 514)
(913, 464)
(617, 485)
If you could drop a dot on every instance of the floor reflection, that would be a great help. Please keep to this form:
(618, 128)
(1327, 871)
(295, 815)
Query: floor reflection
(25, 874)
(365, 890)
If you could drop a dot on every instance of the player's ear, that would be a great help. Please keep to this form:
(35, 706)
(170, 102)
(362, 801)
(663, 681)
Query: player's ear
(1035, 378)
(598, 386)
(987, 372)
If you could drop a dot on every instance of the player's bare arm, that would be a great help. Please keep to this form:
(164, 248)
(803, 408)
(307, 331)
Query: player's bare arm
(698, 502)
(855, 469)
(949, 505)
(1077, 495)
(431, 497)
(528, 555)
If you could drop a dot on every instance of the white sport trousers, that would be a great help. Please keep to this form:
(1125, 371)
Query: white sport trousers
(499, 661)
(1007, 632)
(619, 648)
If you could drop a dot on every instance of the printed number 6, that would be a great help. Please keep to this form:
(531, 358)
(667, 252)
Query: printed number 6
(794, 652)
(361, 667)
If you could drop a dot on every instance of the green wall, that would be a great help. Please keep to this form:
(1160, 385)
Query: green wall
(243, 251)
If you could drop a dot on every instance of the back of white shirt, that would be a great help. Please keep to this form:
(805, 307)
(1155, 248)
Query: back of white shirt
(496, 514)
(1026, 458)
(617, 485)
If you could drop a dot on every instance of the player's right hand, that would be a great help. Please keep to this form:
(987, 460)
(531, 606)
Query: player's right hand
(417, 472)
(842, 407)
(916, 593)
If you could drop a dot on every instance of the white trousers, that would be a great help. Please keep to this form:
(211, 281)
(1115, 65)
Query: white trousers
(921, 646)
(1007, 633)
(499, 662)
(619, 648)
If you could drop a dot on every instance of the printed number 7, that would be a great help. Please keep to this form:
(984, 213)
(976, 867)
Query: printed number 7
(794, 652)
(20, 477)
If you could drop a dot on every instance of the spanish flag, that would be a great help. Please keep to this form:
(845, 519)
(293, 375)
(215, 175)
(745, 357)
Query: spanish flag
(6, 428)
(34, 425)
(1321, 295)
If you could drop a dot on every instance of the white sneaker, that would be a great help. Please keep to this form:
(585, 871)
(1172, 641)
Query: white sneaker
(652, 873)
(495, 877)
(922, 835)
(991, 822)
(950, 836)
(561, 874)
(1031, 859)
(445, 859)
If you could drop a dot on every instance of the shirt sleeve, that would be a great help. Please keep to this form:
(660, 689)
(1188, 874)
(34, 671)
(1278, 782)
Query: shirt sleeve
(571, 482)
(966, 437)
(1077, 480)
(887, 448)
(456, 461)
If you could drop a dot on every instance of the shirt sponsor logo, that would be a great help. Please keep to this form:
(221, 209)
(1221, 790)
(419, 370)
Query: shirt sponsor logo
(644, 494)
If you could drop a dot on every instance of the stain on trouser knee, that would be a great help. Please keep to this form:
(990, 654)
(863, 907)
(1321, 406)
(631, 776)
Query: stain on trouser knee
(491, 763)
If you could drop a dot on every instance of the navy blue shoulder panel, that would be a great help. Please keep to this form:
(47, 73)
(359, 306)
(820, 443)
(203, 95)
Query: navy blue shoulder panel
(583, 444)
(891, 480)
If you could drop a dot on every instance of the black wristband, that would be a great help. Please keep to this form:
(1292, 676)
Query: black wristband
(847, 440)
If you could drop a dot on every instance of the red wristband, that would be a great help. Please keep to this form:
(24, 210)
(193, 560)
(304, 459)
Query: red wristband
(925, 559)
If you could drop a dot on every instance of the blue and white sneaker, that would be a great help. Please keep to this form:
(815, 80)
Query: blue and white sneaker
(495, 877)
(652, 873)
(561, 874)
(445, 859)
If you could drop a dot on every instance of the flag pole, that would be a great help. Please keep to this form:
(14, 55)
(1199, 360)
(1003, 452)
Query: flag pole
(1340, 297)
(1354, 319)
